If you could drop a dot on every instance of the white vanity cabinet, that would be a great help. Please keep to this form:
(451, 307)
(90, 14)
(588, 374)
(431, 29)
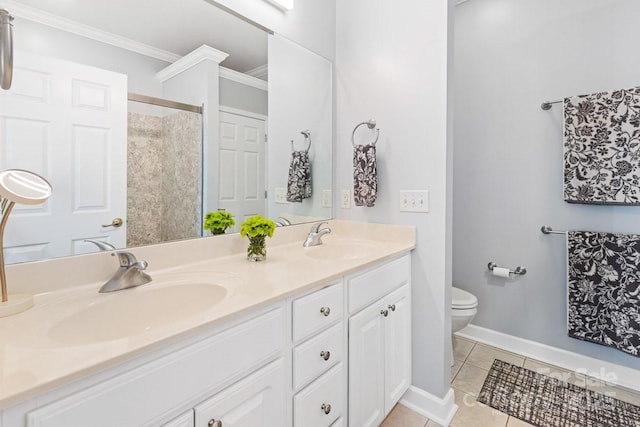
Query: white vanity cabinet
(148, 394)
(379, 341)
(319, 372)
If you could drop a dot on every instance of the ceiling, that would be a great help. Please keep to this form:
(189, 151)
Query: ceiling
(177, 26)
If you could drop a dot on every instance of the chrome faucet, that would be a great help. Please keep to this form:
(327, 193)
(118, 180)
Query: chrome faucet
(128, 275)
(104, 246)
(315, 235)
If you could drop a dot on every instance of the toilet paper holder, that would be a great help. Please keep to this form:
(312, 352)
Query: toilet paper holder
(519, 270)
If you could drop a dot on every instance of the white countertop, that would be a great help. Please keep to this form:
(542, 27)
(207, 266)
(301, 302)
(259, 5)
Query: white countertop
(33, 359)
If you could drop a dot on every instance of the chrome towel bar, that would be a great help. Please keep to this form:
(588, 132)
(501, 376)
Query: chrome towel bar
(519, 270)
(545, 229)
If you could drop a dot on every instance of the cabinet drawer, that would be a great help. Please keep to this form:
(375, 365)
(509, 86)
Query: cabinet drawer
(317, 355)
(178, 377)
(368, 287)
(312, 313)
(308, 409)
(185, 420)
(256, 401)
(339, 423)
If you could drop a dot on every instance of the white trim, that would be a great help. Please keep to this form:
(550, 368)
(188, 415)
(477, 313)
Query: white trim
(259, 71)
(74, 27)
(245, 113)
(191, 59)
(610, 372)
(439, 410)
(245, 79)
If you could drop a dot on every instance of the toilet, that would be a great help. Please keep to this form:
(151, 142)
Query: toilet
(464, 306)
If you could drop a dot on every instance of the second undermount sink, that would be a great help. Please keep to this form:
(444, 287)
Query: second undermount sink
(347, 249)
(130, 312)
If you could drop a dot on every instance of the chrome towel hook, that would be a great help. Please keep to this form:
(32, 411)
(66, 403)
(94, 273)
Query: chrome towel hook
(307, 138)
(371, 124)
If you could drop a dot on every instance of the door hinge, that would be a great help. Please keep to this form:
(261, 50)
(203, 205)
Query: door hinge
(266, 138)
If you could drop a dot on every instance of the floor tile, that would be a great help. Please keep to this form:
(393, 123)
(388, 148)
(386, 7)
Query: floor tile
(433, 424)
(455, 369)
(483, 356)
(563, 375)
(470, 379)
(401, 416)
(473, 414)
(514, 422)
(620, 393)
(461, 348)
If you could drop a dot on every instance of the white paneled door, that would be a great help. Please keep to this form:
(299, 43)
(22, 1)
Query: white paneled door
(242, 166)
(67, 122)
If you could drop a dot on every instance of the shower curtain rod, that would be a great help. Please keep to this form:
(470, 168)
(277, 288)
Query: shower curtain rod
(164, 103)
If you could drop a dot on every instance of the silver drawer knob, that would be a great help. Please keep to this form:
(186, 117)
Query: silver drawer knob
(325, 355)
(385, 313)
(326, 311)
(392, 307)
(326, 408)
(214, 423)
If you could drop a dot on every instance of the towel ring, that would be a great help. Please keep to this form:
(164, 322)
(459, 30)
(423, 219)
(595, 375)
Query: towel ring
(371, 124)
(307, 138)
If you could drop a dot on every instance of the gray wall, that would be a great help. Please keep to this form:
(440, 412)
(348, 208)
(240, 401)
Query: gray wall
(243, 97)
(511, 55)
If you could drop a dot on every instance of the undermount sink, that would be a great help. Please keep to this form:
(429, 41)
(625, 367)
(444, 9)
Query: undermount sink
(342, 249)
(134, 311)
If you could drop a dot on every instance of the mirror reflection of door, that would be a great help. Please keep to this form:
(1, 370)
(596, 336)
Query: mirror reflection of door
(242, 164)
(66, 122)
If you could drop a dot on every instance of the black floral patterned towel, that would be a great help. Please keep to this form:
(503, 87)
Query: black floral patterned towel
(602, 148)
(365, 175)
(299, 181)
(604, 289)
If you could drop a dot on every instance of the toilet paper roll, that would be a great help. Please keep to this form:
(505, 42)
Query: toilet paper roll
(501, 272)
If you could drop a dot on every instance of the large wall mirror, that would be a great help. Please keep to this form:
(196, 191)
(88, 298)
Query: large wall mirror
(146, 114)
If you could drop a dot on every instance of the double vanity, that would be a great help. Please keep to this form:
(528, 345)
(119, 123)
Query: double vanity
(317, 336)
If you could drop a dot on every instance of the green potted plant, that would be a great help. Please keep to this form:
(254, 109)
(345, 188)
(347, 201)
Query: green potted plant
(217, 222)
(257, 228)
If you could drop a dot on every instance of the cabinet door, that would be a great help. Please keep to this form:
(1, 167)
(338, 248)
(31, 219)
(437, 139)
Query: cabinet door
(255, 401)
(366, 367)
(184, 420)
(397, 346)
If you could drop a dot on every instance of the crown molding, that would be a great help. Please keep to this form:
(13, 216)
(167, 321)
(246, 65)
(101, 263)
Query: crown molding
(259, 71)
(32, 14)
(190, 60)
(245, 79)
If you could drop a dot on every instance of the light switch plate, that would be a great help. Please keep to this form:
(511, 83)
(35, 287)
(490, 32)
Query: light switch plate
(281, 195)
(414, 201)
(345, 199)
(326, 198)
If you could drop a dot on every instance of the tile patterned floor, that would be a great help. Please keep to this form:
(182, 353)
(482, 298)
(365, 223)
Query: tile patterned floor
(472, 363)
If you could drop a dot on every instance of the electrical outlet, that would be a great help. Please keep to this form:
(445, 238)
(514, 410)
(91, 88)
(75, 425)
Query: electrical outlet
(345, 199)
(326, 198)
(414, 201)
(281, 195)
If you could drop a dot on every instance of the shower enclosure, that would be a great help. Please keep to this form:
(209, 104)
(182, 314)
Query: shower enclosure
(164, 170)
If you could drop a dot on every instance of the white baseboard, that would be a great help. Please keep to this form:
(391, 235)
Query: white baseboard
(607, 371)
(439, 410)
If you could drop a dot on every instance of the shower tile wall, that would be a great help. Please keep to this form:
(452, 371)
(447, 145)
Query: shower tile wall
(144, 195)
(182, 176)
(164, 168)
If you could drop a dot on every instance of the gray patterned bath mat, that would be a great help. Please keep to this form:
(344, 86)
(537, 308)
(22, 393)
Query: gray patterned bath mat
(548, 402)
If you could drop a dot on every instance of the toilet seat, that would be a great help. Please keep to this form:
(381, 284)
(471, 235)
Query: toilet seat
(462, 300)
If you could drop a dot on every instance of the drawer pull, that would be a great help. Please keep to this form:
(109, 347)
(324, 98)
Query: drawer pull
(326, 408)
(326, 311)
(385, 313)
(325, 355)
(214, 423)
(392, 307)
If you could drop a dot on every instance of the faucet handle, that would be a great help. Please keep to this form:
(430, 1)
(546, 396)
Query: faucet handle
(315, 228)
(127, 259)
